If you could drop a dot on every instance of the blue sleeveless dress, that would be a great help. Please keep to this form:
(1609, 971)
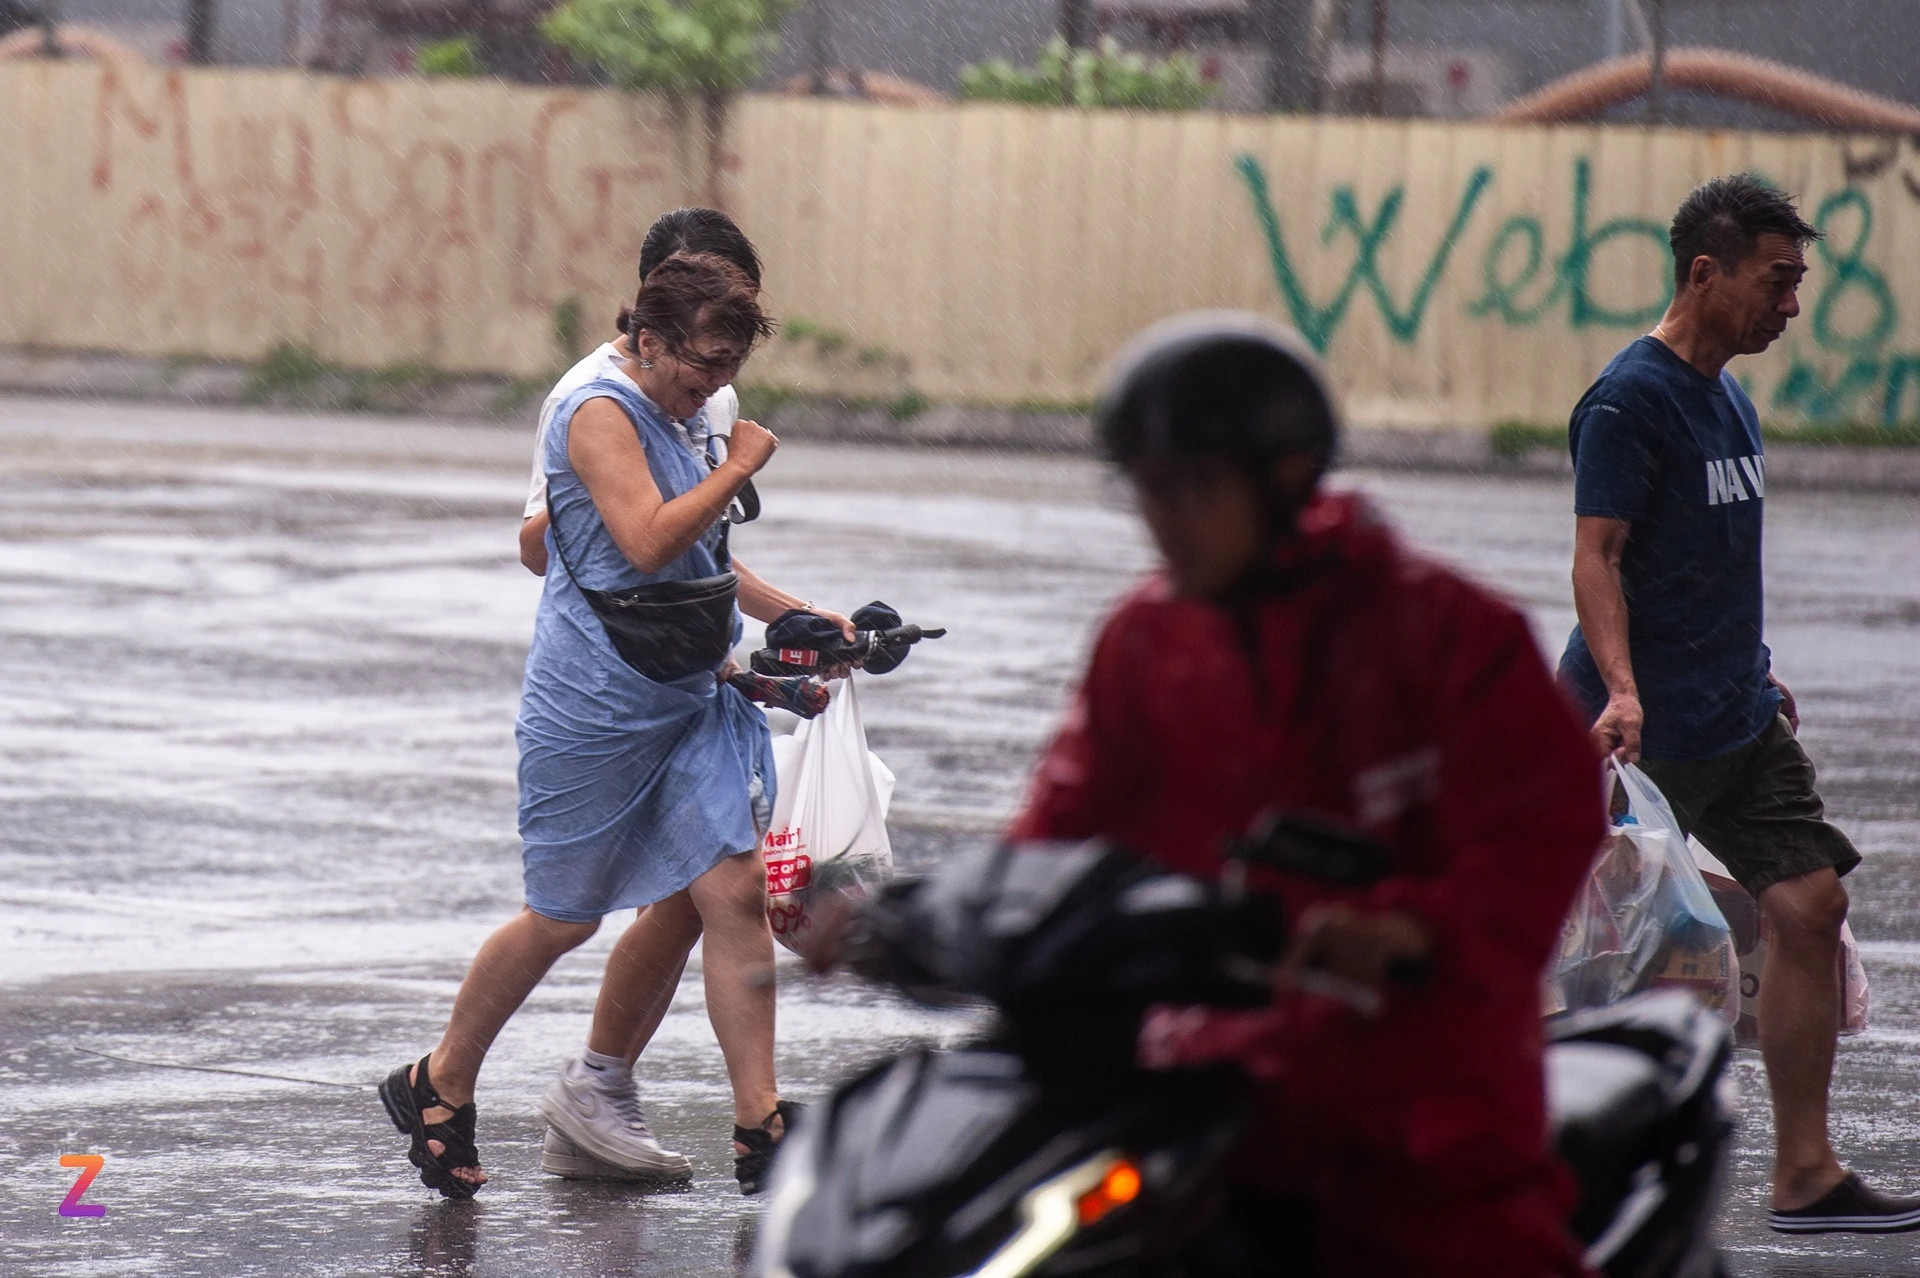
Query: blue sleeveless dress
(629, 789)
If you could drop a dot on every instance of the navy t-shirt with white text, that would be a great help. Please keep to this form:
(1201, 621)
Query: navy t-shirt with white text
(1677, 454)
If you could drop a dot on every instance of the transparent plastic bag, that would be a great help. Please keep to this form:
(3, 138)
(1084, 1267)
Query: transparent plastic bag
(829, 830)
(1644, 919)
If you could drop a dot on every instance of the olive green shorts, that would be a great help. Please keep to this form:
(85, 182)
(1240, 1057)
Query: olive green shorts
(1756, 809)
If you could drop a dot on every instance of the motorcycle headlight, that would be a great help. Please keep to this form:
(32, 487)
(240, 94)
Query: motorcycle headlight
(1053, 1211)
(1120, 1186)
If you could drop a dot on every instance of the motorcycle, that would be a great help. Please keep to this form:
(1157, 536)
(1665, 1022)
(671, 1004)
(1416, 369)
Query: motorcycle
(1043, 1149)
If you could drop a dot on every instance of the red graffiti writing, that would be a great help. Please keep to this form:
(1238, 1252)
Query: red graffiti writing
(414, 211)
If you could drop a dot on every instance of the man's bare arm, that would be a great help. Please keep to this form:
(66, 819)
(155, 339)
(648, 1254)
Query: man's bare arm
(1601, 603)
(533, 543)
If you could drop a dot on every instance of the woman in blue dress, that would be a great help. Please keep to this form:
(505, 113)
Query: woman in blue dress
(635, 790)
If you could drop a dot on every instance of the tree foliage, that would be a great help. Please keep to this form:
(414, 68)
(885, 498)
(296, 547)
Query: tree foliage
(1104, 76)
(683, 48)
(459, 56)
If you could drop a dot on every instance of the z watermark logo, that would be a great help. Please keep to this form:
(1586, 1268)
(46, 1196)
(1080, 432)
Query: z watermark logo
(71, 1204)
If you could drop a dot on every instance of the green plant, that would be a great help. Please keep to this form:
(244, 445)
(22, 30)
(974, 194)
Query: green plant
(520, 394)
(1511, 440)
(289, 366)
(406, 374)
(701, 51)
(1077, 407)
(390, 386)
(459, 56)
(1103, 76)
(1846, 434)
(759, 401)
(292, 372)
(686, 48)
(569, 326)
(907, 405)
(830, 342)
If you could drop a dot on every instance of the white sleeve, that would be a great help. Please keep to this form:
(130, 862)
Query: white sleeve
(723, 410)
(537, 494)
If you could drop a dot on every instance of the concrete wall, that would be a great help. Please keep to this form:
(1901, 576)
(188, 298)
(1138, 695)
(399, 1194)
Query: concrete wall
(1454, 275)
(379, 220)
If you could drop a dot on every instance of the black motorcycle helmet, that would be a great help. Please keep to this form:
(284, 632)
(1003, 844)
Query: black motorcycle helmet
(1229, 386)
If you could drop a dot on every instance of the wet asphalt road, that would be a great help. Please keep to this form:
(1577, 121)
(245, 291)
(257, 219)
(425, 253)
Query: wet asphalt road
(257, 682)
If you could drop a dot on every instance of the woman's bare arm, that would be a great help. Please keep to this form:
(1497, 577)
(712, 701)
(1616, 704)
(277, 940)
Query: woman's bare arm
(764, 601)
(650, 532)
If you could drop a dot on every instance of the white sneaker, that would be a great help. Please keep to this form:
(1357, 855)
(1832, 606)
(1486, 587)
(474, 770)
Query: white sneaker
(561, 1157)
(601, 1117)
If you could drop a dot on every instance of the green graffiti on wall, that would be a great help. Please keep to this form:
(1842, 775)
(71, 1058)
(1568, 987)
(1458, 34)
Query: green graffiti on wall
(1848, 270)
(1318, 324)
(1572, 270)
(1871, 371)
(1507, 289)
(1529, 276)
(1850, 396)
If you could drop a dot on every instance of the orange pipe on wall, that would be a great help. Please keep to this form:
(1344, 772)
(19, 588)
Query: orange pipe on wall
(1722, 72)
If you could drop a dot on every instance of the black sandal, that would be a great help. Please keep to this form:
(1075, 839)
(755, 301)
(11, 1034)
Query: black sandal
(405, 1100)
(750, 1168)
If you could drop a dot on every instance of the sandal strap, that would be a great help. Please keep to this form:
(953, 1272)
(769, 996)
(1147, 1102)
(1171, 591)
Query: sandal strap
(761, 1140)
(456, 1133)
(424, 1096)
(456, 1138)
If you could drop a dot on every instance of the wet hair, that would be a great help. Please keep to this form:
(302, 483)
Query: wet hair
(695, 231)
(699, 231)
(695, 295)
(1725, 217)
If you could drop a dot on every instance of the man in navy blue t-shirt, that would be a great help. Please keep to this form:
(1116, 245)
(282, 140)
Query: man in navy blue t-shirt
(1669, 660)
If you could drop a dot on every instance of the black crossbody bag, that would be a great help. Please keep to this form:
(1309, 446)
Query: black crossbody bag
(666, 630)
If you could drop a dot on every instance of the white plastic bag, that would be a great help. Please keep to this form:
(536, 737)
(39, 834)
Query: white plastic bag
(1645, 918)
(829, 831)
(1751, 936)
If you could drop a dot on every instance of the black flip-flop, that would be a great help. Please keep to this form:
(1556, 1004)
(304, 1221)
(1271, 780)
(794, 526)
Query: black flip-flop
(405, 1099)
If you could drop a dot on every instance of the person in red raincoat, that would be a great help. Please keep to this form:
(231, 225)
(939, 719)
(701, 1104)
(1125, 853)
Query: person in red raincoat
(1293, 655)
